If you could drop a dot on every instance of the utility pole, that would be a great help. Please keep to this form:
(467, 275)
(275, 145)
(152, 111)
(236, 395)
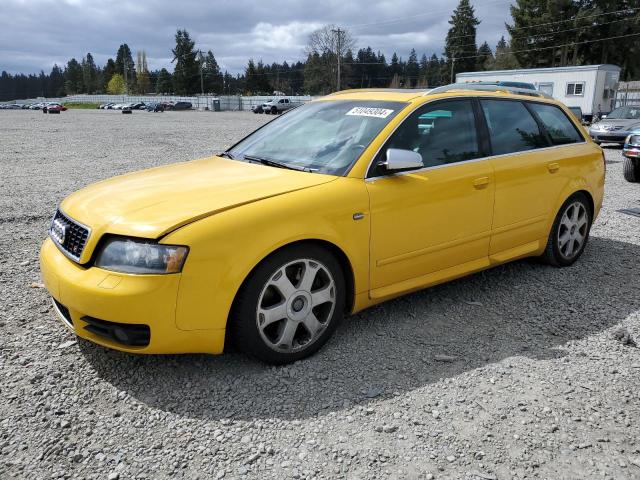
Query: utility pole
(201, 77)
(453, 62)
(339, 33)
(126, 84)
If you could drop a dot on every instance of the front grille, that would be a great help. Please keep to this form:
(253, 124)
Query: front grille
(69, 235)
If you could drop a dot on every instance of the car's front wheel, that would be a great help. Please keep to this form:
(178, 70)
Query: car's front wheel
(631, 170)
(290, 305)
(570, 232)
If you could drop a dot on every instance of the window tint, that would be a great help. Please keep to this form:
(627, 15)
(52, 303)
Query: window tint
(558, 126)
(511, 127)
(442, 133)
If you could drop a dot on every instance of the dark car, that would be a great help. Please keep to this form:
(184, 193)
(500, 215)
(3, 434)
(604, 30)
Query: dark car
(138, 106)
(631, 152)
(182, 106)
(155, 107)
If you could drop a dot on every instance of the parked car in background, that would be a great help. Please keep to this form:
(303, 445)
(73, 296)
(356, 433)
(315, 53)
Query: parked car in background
(616, 126)
(336, 206)
(180, 106)
(138, 106)
(258, 108)
(54, 108)
(278, 105)
(154, 107)
(631, 153)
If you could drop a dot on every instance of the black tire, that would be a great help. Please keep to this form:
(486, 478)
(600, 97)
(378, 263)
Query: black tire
(631, 170)
(553, 254)
(274, 110)
(243, 327)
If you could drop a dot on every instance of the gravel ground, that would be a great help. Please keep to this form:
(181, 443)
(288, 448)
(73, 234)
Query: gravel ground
(515, 372)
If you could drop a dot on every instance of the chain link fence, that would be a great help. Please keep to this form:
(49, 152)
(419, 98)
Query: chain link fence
(199, 102)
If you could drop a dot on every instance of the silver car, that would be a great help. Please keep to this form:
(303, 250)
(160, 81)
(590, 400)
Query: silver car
(616, 126)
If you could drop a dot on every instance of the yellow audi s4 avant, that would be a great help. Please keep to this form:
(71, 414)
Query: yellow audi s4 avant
(342, 203)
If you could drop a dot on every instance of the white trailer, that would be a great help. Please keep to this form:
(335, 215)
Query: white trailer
(590, 87)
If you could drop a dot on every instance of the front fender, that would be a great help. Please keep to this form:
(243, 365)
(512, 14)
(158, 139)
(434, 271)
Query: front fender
(225, 247)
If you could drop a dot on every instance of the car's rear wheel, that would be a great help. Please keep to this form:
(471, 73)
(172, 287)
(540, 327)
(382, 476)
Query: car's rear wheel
(274, 110)
(290, 305)
(570, 232)
(631, 170)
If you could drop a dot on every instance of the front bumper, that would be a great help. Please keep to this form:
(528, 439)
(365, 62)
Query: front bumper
(608, 136)
(91, 294)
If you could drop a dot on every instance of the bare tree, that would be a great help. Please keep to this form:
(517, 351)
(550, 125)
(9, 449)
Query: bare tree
(331, 44)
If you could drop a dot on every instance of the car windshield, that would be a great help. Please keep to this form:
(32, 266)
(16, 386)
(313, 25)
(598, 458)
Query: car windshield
(632, 113)
(323, 136)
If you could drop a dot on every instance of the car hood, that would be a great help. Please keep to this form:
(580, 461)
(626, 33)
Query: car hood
(152, 203)
(618, 123)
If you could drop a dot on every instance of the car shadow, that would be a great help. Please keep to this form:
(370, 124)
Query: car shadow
(519, 309)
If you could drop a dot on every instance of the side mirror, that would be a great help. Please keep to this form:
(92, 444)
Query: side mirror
(399, 159)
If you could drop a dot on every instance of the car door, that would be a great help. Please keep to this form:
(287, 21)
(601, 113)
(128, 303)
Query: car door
(529, 175)
(433, 223)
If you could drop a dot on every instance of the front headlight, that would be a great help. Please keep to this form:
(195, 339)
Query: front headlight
(136, 255)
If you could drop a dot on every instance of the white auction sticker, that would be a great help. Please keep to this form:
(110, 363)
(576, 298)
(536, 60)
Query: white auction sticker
(370, 112)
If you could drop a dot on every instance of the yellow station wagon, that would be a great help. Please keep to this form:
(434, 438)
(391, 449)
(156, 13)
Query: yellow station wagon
(345, 202)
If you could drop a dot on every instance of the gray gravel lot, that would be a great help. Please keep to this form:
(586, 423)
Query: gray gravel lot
(511, 373)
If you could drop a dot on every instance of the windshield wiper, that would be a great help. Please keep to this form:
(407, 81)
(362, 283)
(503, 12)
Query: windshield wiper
(273, 163)
(227, 154)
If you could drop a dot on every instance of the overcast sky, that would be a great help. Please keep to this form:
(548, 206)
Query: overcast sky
(35, 34)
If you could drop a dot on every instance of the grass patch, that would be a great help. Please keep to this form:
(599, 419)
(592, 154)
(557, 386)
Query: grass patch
(81, 105)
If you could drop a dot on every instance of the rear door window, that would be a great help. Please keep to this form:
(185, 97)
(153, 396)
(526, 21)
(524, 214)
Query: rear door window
(511, 127)
(556, 123)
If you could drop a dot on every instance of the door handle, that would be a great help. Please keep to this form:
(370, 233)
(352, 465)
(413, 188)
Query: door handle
(553, 167)
(481, 182)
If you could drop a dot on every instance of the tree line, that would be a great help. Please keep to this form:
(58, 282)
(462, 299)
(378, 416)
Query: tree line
(542, 33)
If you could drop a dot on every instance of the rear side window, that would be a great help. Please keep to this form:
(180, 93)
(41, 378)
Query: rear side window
(558, 126)
(511, 127)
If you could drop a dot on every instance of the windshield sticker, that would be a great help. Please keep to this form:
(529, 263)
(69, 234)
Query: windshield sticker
(370, 112)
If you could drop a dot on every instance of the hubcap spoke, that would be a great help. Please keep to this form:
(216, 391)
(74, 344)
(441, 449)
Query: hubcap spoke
(273, 314)
(573, 229)
(286, 339)
(283, 284)
(312, 324)
(322, 296)
(308, 276)
(564, 238)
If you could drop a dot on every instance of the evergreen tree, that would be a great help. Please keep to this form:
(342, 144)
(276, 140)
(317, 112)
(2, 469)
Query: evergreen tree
(186, 75)
(107, 72)
(164, 84)
(55, 87)
(73, 77)
(124, 61)
(89, 74)
(504, 59)
(460, 46)
(211, 74)
(412, 69)
(485, 57)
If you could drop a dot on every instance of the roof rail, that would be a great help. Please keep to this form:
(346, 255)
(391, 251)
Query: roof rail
(488, 88)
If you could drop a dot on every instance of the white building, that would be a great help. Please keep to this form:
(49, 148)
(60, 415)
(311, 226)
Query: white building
(590, 87)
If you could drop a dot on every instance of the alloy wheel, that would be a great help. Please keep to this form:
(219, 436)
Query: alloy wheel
(295, 305)
(573, 230)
